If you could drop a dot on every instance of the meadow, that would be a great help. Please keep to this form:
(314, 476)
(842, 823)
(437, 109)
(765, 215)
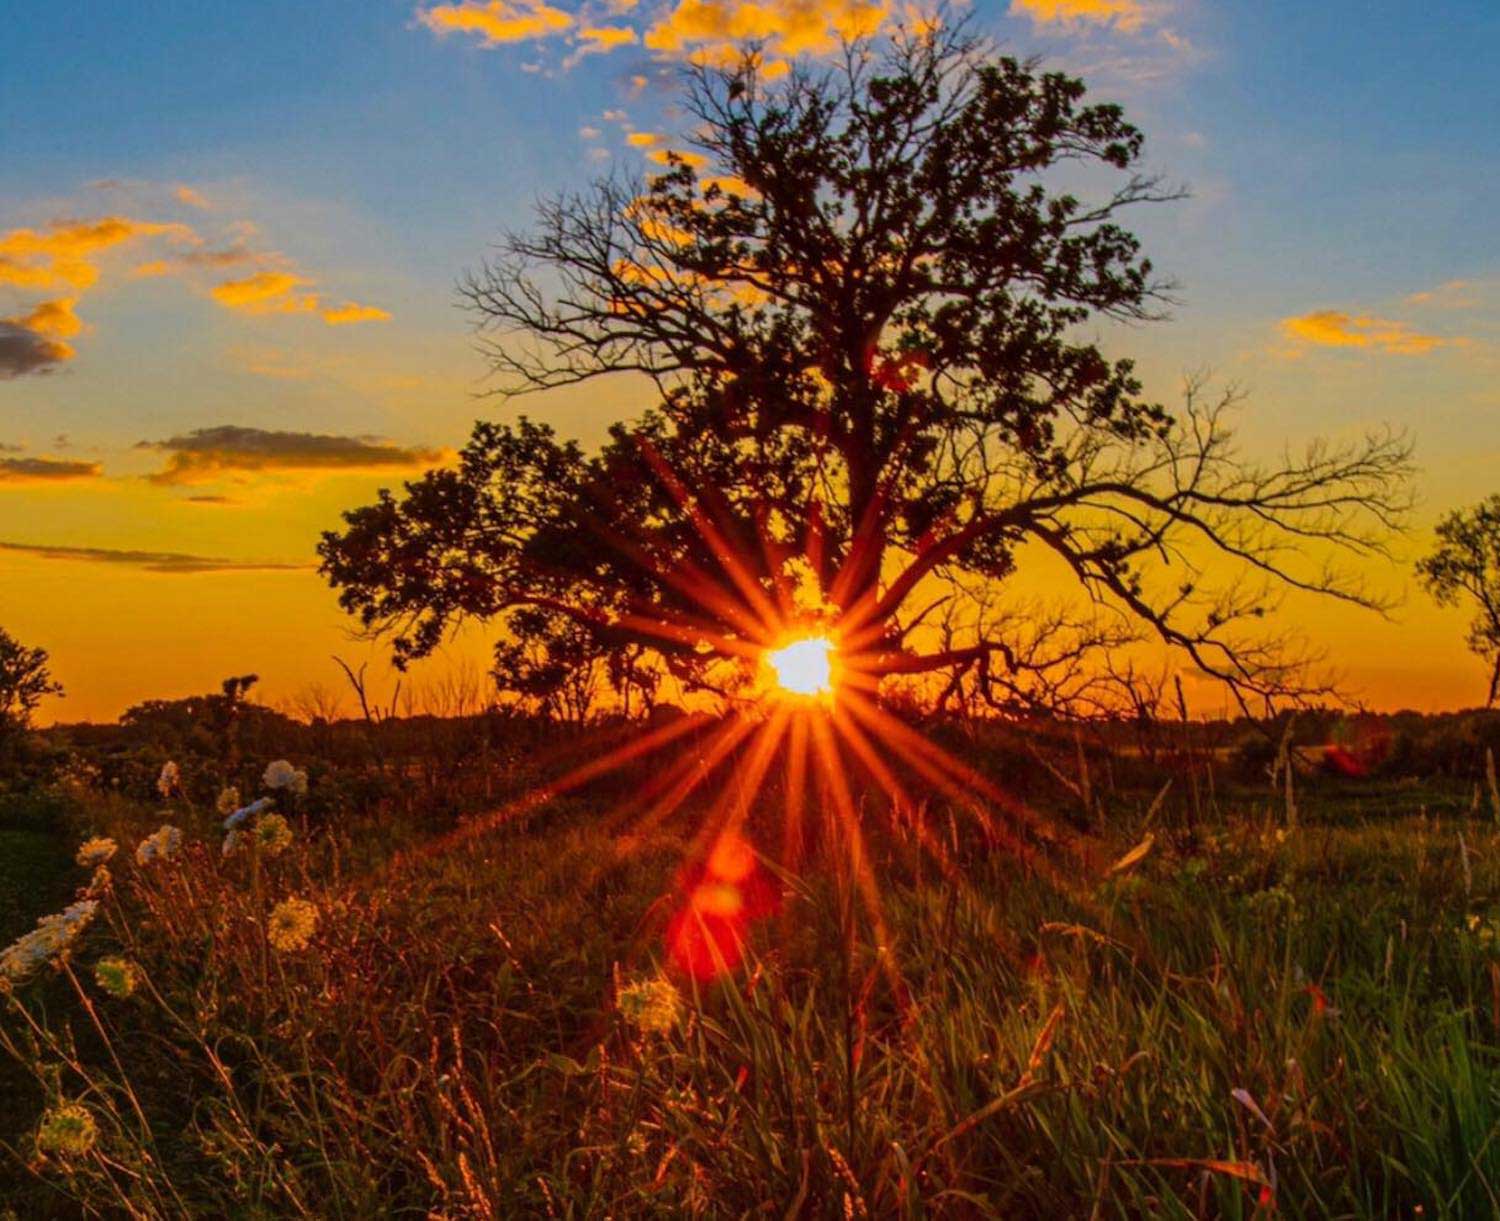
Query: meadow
(1229, 1006)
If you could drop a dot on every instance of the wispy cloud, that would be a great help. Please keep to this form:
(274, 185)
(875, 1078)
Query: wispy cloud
(65, 254)
(687, 29)
(352, 311)
(1126, 14)
(46, 470)
(1455, 295)
(57, 263)
(498, 21)
(1331, 328)
(174, 562)
(280, 292)
(210, 453)
(191, 197)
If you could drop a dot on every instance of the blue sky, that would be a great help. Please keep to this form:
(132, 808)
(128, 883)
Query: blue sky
(1344, 163)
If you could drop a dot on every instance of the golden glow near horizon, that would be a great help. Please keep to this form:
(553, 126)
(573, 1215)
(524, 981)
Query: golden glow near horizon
(804, 667)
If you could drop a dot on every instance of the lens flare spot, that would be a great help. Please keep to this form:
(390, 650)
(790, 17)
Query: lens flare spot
(731, 860)
(722, 899)
(803, 667)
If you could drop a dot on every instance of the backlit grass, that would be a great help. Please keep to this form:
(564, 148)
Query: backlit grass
(1243, 1022)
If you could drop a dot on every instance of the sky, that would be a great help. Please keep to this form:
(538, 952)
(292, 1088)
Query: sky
(230, 237)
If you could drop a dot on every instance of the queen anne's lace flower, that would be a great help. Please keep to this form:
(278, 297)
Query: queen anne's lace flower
(652, 1006)
(161, 844)
(117, 976)
(228, 800)
(282, 775)
(67, 1130)
(272, 833)
(292, 924)
(53, 936)
(96, 851)
(170, 780)
(250, 811)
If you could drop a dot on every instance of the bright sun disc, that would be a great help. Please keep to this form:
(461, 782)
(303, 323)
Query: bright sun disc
(804, 667)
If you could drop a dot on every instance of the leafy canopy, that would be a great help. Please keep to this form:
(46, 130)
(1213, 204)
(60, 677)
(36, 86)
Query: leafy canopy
(861, 292)
(24, 682)
(1464, 568)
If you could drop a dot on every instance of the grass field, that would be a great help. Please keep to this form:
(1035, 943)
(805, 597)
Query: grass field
(1244, 1021)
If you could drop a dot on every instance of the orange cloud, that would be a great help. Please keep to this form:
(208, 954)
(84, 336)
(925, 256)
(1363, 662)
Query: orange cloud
(642, 139)
(665, 156)
(193, 199)
(1127, 14)
(606, 37)
(265, 292)
(1454, 294)
(350, 311)
(788, 27)
(1331, 328)
(275, 292)
(65, 254)
(33, 343)
(54, 318)
(498, 21)
(230, 256)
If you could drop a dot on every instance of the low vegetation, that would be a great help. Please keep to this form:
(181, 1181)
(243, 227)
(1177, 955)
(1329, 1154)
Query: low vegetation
(344, 1012)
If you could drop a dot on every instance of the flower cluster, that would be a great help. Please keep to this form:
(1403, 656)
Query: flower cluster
(282, 775)
(1273, 903)
(652, 1006)
(117, 976)
(161, 844)
(94, 852)
(53, 936)
(67, 1130)
(228, 800)
(272, 834)
(292, 924)
(170, 780)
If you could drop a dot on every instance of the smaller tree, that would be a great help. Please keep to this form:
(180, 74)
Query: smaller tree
(1465, 569)
(24, 682)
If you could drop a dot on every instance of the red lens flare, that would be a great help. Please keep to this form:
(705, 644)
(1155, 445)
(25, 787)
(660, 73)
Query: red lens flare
(722, 898)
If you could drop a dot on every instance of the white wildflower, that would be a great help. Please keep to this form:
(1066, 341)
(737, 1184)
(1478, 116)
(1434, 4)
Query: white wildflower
(245, 812)
(170, 780)
(282, 775)
(95, 851)
(51, 938)
(161, 844)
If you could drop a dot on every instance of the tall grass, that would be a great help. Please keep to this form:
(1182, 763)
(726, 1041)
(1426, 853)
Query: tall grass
(1242, 1023)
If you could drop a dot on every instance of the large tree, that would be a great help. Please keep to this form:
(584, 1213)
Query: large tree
(1464, 568)
(865, 293)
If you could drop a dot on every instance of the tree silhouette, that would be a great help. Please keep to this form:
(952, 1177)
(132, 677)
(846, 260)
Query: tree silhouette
(861, 293)
(1465, 568)
(24, 682)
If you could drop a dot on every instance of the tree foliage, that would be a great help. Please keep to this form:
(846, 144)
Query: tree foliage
(862, 294)
(1464, 569)
(24, 682)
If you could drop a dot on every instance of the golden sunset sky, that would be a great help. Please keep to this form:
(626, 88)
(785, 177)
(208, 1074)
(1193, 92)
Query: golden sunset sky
(229, 238)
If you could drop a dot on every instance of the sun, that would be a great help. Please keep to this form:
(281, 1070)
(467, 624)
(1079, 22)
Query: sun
(804, 667)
